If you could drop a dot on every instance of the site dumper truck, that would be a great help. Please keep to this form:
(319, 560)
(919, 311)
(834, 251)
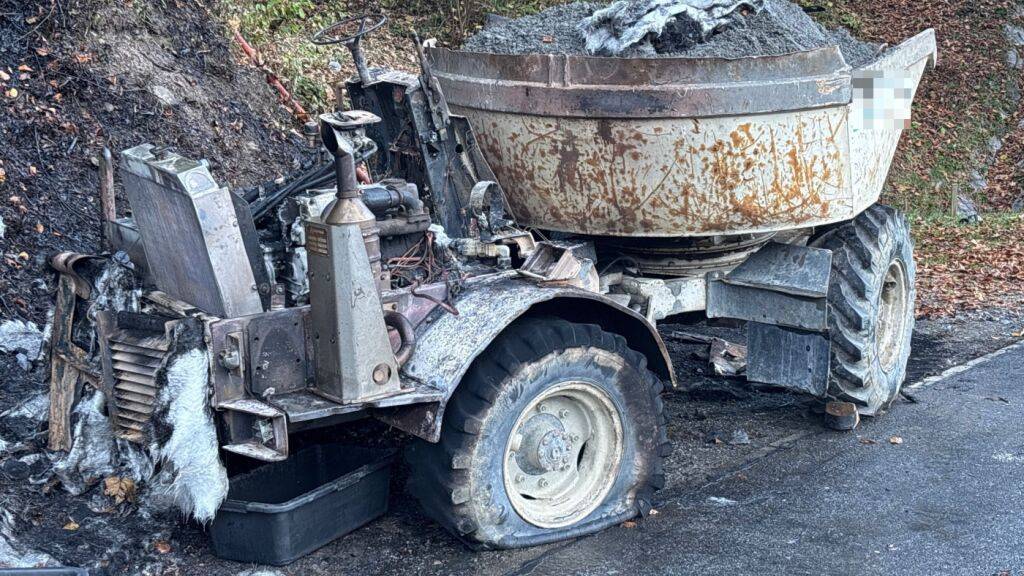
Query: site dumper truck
(483, 262)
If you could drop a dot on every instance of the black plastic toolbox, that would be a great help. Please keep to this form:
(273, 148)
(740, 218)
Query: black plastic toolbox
(279, 512)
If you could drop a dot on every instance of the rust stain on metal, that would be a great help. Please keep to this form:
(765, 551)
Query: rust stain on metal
(636, 177)
(668, 147)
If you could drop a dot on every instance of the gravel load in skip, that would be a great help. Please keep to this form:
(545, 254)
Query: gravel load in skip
(680, 28)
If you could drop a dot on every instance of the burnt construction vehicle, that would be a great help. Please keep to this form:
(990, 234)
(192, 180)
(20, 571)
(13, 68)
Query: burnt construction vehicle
(483, 265)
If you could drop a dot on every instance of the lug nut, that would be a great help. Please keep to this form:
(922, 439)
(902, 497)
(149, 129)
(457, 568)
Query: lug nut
(543, 483)
(542, 407)
(520, 478)
(563, 413)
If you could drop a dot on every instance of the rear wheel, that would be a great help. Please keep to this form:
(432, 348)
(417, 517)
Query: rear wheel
(557, 430)
(871, 307)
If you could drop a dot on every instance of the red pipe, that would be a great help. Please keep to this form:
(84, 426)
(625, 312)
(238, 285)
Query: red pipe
(363, 174)
(282, 92)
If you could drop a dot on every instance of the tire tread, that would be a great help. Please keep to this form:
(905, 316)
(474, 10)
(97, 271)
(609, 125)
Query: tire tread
(441, 479)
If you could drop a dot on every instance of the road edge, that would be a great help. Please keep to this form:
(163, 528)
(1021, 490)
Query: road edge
(961, 368)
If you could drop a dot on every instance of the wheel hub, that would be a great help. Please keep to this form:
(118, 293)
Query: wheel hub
(893, 312)
(553, 453)
(563, 454)
(545, 445)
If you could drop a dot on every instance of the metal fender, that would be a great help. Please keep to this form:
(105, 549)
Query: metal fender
(448, 344)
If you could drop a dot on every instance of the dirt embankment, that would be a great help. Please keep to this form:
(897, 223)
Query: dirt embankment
(78, 75)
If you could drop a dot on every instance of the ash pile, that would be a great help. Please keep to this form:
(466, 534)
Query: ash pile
(663, 28)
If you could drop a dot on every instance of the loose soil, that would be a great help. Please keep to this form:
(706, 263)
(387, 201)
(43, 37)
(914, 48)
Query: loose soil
(780, 27)
(78, 76)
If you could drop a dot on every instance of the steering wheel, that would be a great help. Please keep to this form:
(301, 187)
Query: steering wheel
(349, 30)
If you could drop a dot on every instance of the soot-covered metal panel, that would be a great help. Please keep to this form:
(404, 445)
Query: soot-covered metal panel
(190, 232)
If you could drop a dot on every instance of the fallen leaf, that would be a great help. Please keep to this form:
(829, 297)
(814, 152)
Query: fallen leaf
(11, 93)
(71, 526)
(39, 228)
(42, 51)
(119, 488)
(24, 68)
(83, 57)
(3, 175)
(4, 76)
(867, 441)
(896, 440)
(629, 524)
(162, 546)
(31, 20)
(653, 512)
(23, 255)
(547, 39)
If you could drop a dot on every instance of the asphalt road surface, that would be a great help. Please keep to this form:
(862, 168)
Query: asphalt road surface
(936, 487)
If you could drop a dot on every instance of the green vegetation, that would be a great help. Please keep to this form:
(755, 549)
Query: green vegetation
(833, 14)
(280, 30)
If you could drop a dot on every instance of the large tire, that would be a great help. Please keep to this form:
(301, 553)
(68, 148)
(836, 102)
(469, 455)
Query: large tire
(871, 307)
(518, 418)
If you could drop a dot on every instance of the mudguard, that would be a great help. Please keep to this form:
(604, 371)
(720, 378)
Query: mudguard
(448, 344)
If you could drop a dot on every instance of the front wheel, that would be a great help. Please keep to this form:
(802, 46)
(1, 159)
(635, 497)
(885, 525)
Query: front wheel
(871, 307)
(556, 431)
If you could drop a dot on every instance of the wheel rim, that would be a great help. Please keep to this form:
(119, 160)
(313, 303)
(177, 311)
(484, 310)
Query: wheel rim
(892, 315)
(563, 454)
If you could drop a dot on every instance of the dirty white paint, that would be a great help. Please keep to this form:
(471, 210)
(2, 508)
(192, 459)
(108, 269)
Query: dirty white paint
(191, 473)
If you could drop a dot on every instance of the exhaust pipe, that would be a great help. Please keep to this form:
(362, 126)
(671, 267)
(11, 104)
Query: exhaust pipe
(354, 359)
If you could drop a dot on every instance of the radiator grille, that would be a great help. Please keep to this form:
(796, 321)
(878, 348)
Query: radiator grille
(135, 362)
